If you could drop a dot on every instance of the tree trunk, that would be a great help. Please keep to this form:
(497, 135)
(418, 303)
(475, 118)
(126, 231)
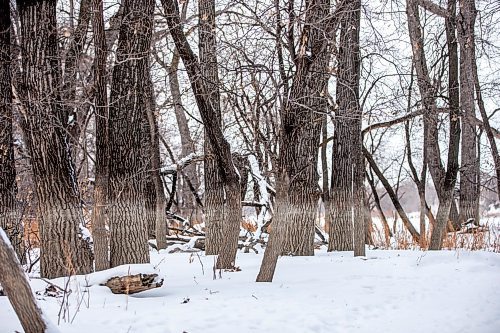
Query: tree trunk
(70, 74)
(325, 178)
(16, 286)
(128, 152)
(347, 231)
(469, 170)
(62, 252)
(99, 215)
(220, 147)
(444, 180)
(297, 176)
(187, 201)
(160, 200)
(9, 219)
(488, 129)
(214, 190)
(447, 205)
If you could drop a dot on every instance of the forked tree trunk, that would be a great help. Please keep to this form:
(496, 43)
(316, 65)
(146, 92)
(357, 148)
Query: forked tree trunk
(447, 202)
(128, 152)
(220, 146)
(15, 285)
(99, 233)
(9, 219)
(469, 170)
(346, 209)
(440, 175)
(62, 251)
(297, 178)
(444, 180)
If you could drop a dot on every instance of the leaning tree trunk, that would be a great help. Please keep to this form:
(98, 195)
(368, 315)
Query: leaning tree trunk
(9, 219)
(297, 179)
(127, 149)
(99, 232)
(469, 170)
(214, 188)
(346, 209)
(62, 252)
(221, 148)
(17, 288)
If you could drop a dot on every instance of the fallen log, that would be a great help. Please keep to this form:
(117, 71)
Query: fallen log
(131, 284)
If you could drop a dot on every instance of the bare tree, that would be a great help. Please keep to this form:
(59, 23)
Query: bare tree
(469, 169)
(220, 146)
(297, 191)
(63, 251)
(128, 151)
(346, 208)
(9, 217)
(99, 232)
(214, 188)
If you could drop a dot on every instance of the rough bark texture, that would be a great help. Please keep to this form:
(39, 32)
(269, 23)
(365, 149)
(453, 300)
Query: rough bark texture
(469, 169)
(346, 209)
(62, 251)
(17, 288)
(99, 215)
(220, 146)
(214, 189)
(297, 178)
(9, 219)
(127, 148)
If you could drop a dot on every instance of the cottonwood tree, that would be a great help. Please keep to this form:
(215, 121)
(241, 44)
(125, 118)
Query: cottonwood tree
(220, 147)
(99, 232)
(346, 193)
(63, 251)
(9, 217)
(296, 176)
(214, 188)
(469, 169)
(128, 150)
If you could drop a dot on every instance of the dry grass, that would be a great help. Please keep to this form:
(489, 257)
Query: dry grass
(484, 238)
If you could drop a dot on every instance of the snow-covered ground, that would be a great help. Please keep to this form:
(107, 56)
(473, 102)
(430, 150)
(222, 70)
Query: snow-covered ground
(387, 291)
